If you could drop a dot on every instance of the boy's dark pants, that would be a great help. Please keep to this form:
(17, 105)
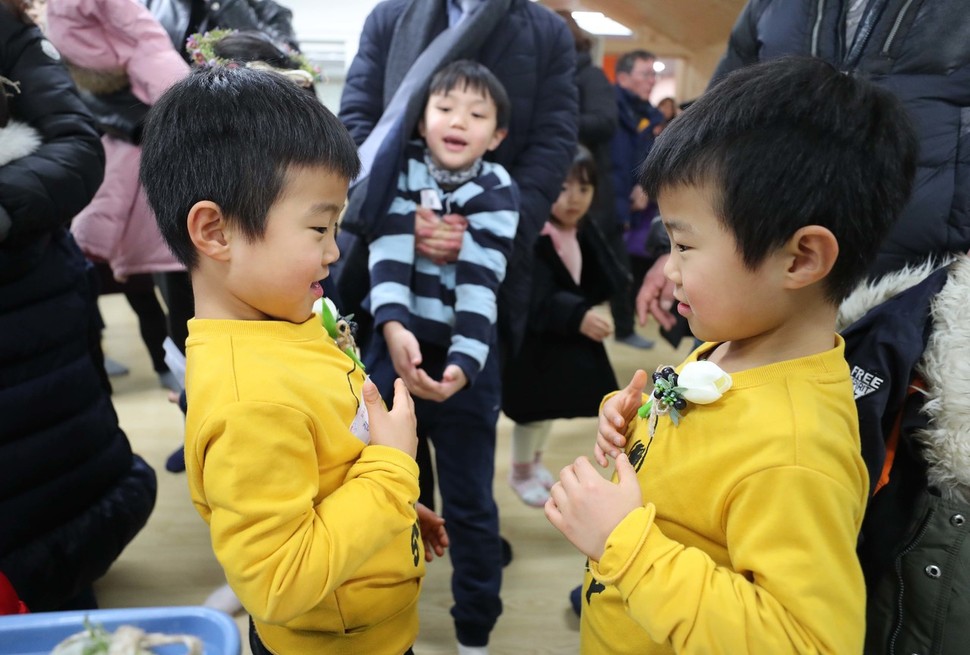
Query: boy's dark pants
(462, 430)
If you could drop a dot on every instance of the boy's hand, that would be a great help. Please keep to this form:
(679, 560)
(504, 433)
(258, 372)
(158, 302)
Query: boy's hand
(397, 427)
(406, 356)
(594, 326)
(438, 239)
(615, 416)
(586, 507)
(433, 532)
(453, 380)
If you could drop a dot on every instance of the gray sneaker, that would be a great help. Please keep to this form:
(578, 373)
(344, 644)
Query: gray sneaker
(114, 368)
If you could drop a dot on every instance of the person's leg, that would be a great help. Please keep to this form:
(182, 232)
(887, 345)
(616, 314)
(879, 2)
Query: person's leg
(621, 306)
(539, 470)
(102, 283)
(176, 290)
(463, 434)
(638, 267)
(152, 324)
(526, 438)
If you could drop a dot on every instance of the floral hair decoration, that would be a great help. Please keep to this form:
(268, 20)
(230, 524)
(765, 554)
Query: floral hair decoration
(201, 49)
(699, 382)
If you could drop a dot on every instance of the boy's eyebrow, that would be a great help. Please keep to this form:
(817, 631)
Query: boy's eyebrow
(673, 225)
(325, 208)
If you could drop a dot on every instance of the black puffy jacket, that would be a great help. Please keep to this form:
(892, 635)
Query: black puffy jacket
(182, 18)
(72, 494)
(918, 49)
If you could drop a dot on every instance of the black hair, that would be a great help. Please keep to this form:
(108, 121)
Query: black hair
(251, 45)
(230, 135)
(790, 143)
(583, 167)
(581, 38)
(469, 74)
(628, 60)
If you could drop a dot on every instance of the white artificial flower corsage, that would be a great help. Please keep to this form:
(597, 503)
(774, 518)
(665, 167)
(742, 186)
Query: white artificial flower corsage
(340, 328)
(700, 382)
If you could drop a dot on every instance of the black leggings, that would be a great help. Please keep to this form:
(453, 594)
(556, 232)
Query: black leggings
(259, 649)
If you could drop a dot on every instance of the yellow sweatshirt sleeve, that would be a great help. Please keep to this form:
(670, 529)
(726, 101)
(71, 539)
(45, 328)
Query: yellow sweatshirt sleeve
(796, 587)
(281, 551)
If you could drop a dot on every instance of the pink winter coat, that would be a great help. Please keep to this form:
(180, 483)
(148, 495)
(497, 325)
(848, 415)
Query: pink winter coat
(119, 36)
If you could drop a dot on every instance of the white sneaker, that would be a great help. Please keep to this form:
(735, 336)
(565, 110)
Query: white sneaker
(472, 650)
(225, 600)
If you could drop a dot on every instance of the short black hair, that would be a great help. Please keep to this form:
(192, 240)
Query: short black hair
(628, 60)
(789, 143)
(583, 167)
(469, 74)
(230, 135)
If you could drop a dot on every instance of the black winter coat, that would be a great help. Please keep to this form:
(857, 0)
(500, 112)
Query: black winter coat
(72, 494)
(597, 123)
(921, 52)
(559, 372)
(182, 18)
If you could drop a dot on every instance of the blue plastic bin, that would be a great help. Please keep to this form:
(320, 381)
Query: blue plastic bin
(38, 634)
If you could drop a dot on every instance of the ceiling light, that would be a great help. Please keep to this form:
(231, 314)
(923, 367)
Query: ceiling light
(659, 66)
(595, 22)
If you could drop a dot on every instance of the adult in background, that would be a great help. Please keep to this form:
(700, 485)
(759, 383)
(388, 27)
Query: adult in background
(183, 18)
(72, 494)
(121, 61)
(597, 127)
(531, 52)
(920, 52)
(637, 118)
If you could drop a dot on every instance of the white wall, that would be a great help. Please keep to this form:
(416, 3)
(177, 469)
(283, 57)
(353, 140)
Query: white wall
(329, 32)
(315, 18)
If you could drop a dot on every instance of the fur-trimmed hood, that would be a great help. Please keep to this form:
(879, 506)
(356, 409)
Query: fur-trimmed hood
(944, 367)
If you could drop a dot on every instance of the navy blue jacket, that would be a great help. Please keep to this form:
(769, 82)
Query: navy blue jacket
(630, 146)
(921, 52)
(532, 53)
(72, 494)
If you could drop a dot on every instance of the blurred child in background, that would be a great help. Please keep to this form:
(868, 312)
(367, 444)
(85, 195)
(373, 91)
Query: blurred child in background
(563, 370)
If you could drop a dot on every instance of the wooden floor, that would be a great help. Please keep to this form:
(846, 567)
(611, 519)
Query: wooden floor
(170, 562)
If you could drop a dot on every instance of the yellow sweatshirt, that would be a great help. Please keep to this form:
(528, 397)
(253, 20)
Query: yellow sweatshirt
(746, 541)
(315, 529)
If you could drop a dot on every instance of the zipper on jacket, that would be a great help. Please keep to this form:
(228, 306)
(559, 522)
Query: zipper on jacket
(896, 25)
(899, 578)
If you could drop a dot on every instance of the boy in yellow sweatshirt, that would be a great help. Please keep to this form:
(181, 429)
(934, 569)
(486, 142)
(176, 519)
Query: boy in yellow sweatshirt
(308, 483)
(732, 520)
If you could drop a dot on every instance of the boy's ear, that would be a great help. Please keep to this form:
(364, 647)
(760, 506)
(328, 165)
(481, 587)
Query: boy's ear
(812, 252)
(497, 138)
(208, 231)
